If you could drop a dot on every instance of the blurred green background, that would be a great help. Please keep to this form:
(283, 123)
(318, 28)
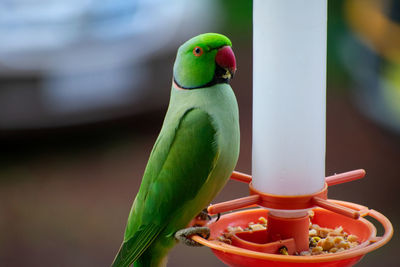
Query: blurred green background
(84, 88)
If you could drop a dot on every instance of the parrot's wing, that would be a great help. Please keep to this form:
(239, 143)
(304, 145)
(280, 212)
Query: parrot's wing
(179, 165)
(131, 249)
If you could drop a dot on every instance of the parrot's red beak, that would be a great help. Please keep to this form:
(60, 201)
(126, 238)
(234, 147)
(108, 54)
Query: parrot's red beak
(225, 58)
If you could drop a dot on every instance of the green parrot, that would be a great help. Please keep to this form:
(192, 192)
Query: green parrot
(193, 156)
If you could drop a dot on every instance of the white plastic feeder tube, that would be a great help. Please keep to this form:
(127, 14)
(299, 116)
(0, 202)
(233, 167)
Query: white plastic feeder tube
(289, 96)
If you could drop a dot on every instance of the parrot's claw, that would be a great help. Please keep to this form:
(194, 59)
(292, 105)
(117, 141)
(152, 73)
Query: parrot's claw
(201, 219)
(185, 234)
(204, 216)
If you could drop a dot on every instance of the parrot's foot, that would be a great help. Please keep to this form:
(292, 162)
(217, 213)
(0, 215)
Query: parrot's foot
(218, 216)
(185, 234)
(203, 218)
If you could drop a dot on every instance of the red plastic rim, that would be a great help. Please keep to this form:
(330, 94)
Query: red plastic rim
(369, 244)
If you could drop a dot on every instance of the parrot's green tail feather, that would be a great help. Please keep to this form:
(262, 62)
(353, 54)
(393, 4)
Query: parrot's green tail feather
(134, 247)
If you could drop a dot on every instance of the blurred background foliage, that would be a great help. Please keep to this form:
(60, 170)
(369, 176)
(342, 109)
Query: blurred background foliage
(84, 86)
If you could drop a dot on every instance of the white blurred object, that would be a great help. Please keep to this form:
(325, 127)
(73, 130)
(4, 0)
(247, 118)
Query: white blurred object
(289, 96)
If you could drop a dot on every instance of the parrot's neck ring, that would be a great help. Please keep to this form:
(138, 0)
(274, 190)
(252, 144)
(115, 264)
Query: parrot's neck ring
(177, 86)
(221, 75)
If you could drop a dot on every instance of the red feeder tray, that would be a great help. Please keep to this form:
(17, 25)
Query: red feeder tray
(256, 249)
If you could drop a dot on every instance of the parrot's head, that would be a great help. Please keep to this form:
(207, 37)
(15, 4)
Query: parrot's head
(203, 61)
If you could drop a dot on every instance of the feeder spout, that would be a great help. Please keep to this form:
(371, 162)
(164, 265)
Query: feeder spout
(235, 204)
(345, 177)
(241, 177)
(323, 203)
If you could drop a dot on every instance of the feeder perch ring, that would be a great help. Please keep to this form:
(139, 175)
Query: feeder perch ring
(372, 243)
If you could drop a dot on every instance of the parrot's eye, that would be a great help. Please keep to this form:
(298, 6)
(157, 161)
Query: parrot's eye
(197, 51)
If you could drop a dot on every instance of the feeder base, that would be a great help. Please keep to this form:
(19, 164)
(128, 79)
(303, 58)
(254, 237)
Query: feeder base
(240, 257)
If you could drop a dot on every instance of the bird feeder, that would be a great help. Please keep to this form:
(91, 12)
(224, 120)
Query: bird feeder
(289, 96)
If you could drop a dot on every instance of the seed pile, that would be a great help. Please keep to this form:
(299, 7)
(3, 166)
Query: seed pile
(230, 231)
(322, 240)
(326, 240)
